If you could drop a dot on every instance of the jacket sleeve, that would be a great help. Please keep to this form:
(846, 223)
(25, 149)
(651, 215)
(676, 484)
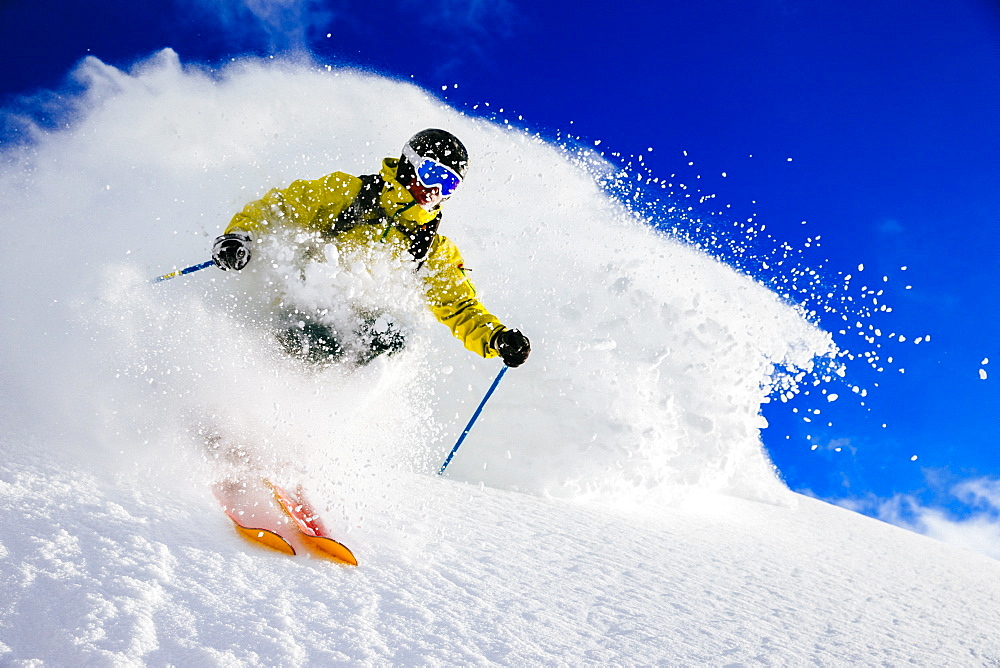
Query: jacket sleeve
(452, 299)
(305, 204)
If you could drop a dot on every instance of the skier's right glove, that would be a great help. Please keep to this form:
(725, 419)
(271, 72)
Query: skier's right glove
(232, 251)
(512, 345)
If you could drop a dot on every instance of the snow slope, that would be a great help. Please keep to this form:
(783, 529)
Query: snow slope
(614, 504)
(116, 574)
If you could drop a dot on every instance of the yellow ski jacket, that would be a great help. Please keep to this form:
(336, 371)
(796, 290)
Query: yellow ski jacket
(352, 211)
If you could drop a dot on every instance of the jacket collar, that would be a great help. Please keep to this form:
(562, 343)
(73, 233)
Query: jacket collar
(399, 203)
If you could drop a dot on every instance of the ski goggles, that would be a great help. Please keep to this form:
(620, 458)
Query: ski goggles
(432, 173)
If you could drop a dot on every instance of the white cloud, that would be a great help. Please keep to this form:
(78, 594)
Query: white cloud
(980, 492)
(979, 533)
(977, 528)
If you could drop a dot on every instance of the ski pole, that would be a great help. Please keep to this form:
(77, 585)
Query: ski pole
(475, 416)
(181, 272)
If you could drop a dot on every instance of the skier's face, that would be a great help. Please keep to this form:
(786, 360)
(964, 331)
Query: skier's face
(432, 181)
(427, 197)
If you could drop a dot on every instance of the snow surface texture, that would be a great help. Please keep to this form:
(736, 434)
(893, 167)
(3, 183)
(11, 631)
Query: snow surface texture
(96, 573)
(614, 504)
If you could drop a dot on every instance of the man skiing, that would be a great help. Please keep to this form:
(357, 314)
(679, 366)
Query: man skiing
(400, 207)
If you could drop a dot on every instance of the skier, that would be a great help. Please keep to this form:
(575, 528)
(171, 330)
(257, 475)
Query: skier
(399, 207)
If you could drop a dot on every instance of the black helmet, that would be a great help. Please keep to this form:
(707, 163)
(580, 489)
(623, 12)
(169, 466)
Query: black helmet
(438, 145)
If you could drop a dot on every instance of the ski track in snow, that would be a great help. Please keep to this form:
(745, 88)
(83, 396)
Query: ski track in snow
(614, 505)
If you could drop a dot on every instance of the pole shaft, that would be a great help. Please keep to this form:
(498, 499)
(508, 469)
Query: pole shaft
(185, 270)
(475, 416)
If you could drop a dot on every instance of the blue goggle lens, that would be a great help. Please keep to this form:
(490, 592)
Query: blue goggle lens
(432, 173)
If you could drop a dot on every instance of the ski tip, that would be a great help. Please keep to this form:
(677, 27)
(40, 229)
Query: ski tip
(266, 538)
(328, 547)
(310, 526)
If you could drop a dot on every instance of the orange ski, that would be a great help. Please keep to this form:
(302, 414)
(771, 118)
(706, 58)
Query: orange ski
(313, 533)
(249, 518)
(264, 537)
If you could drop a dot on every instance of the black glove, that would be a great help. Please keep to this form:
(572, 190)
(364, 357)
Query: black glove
(512, 345)
(232, 251)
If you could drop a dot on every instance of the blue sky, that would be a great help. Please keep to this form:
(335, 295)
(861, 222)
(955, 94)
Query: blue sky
(871, 125)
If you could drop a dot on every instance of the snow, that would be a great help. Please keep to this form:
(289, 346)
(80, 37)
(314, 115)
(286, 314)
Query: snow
(116, 574)
(613, 505)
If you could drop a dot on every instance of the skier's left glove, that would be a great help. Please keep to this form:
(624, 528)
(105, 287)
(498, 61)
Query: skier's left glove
(512, 345)
(232, 251)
